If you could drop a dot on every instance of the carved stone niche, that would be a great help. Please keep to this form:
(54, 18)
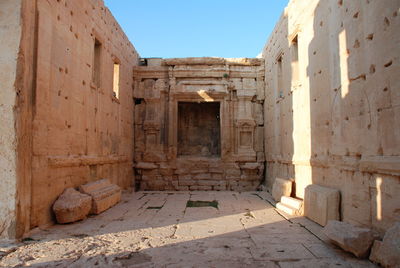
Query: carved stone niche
(245, 137)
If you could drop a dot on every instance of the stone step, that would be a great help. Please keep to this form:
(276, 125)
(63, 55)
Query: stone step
(292, 202)
(287, 209)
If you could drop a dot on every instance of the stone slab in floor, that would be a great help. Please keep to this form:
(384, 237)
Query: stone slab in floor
(156, 229)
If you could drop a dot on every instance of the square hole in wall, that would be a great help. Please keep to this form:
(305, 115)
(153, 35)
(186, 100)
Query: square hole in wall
(199, 131)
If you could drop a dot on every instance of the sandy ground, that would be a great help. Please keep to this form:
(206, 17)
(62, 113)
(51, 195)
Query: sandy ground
(157, 229)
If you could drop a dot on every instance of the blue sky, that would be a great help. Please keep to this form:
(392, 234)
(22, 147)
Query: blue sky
(197, 28)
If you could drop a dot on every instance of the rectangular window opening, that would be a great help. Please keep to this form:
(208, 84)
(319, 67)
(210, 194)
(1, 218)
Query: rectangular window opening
(295, 59)
(279, 91)
(96, 76)
(199, 129)
(116, 80)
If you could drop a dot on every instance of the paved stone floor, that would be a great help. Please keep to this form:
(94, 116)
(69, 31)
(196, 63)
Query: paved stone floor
(154, 229)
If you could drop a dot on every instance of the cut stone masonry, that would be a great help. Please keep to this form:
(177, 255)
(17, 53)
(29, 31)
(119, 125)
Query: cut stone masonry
(320, 105)
(177, 147)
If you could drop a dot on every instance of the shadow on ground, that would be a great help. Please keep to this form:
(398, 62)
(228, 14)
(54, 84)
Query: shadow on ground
(245, 230)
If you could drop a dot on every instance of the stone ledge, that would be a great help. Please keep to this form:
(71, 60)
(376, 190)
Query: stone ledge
(213, 61)
(75, 161)
(372, 164)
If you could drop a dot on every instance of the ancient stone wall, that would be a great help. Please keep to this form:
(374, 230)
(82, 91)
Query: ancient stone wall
(82, 123)
(181, 143)
(332, 104)
(10, 32)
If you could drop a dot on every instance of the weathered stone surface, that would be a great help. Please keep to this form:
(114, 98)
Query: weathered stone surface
(72, 206)
(341, 137)
(351, 238)
(199, 139)
(347, 136)
(213, 61)
(291, 206)
(281, 187)
(244, 231)
(104, 194)
(321, 204)
(387, 252)
(146, 165)
(11, 31)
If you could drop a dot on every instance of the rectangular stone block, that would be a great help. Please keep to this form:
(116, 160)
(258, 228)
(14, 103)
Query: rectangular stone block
(166, 171)
(202, 176)
(104, 194)
(321, 204)
(217, 176)
(233, 172)
(281, 187)
(186, 182)
(207, 183)
(204, 188)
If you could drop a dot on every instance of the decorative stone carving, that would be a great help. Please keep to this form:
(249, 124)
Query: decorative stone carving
(232, 83)
(104, 194)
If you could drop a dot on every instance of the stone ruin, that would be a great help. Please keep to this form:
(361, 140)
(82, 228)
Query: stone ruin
(312, 120)
(199, 124)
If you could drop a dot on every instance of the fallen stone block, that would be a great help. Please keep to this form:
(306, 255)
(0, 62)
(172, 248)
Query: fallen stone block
(72, 206)
(281, 187)
(387, 252)
(321, 204)
(104, 195)
(350, 238)
(291, 206)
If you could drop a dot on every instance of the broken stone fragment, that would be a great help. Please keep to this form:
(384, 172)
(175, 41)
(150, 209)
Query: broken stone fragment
(104, 194)
(72, 206)
(350, 238)
(281, 187)
(387, 252)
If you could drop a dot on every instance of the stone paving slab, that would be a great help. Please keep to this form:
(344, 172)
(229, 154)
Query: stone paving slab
(157, 229)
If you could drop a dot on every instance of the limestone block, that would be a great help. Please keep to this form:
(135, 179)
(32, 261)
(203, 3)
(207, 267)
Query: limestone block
(281, 187)
(237, 82)
(216, 170)
(203, 188)
(251, 166)
(350, 238)
(202, 176)
(260, 156)
(258, 113)
(249, 83)
(321, 204)
(387, 252)
(166, 171)
(146, 165)
(104, 194)
(233, 172)
(207, 183)
(72, 206)
(259, 139)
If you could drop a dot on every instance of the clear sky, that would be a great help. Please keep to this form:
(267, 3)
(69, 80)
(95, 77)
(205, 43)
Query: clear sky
(197, 28)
